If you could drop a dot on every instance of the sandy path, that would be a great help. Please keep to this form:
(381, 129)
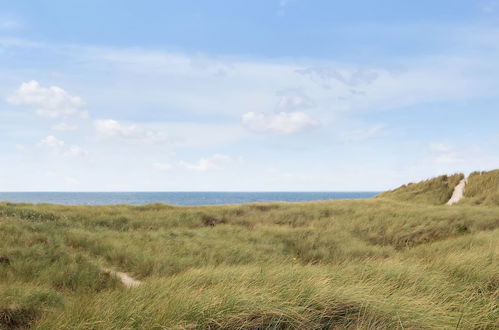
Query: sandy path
(458, 193)
(127, 280)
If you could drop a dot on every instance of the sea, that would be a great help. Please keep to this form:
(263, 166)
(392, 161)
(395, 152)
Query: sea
(174, 198)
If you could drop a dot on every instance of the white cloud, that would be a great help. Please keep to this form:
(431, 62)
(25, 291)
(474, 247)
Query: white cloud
(59, 147)
(63, 126)
(280, 123)
(113, 128)
(52, 102)
(162, 166)
(52, 142)
(215, 162)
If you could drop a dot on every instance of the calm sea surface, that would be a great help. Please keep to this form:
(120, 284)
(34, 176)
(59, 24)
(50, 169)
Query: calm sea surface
(175, 198)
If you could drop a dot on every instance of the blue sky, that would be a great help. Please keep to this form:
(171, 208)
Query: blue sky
(286, 95)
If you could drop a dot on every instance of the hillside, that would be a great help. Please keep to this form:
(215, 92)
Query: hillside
(436, 191)
(382, 263)
(482, 188)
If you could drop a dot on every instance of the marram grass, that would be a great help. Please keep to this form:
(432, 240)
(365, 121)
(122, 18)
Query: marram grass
(483, 188)
(436, 191)
(381, 263)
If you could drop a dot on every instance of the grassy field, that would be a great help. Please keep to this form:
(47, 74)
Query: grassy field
(382, 263)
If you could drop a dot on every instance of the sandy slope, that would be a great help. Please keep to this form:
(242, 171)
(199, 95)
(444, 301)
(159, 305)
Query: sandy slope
(127, 280)
(458, 193)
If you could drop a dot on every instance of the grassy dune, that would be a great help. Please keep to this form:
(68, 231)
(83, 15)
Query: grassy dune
(436, 191)
(483, 188)
(380, 263)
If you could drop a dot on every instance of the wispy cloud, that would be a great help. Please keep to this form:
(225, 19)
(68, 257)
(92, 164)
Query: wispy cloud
(329, 87)
(280, 123)
(132, 132)
(444, 153)
(214, 162)
(63, 126)
(58, 146)
(363, 133)
(162, 166)
(234, 96)
(281, 10)
(490, 6)
(293, 100)
(324, 75)
(9, 23)
(210, 163)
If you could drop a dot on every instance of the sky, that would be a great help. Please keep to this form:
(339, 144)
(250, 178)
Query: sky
(262, 95)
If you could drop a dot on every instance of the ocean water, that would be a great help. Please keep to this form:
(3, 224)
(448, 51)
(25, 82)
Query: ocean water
(174, 198)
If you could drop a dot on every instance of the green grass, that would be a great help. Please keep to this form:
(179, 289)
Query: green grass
(378, 263)
(482, 188)
(436, 191)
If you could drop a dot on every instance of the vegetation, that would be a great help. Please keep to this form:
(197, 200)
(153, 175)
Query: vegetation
(482, 188)
(379, 263)
(434, 191)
